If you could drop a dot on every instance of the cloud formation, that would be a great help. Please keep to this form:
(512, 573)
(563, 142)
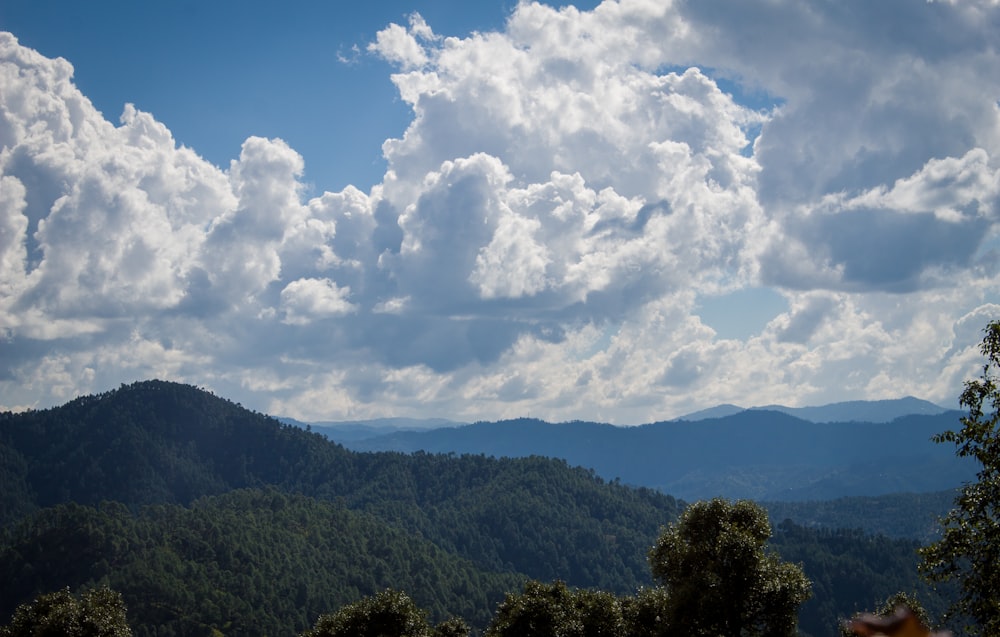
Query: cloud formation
(566, 192)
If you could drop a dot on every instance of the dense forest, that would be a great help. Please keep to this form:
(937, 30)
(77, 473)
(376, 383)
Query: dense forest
(912, 516)
(248, 562)
(207, 516)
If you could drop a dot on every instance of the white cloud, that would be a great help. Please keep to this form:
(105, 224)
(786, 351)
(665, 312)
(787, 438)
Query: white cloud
(513, 264)
(400, 45)
(13, 255)
(566, 191)
(952, 188)
(307, 299)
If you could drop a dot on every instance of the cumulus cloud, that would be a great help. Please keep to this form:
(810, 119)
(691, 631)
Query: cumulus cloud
(566, 191)
(919, 232)
(400, 45)
(307, 299)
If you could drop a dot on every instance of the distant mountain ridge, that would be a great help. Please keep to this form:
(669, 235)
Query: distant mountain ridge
(848, 411)
(343, 430)
(254, 527)
(758, 454)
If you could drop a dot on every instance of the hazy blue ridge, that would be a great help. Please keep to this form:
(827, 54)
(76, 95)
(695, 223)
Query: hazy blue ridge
(854, 410)
(753, 453)
(361, 429)
(719, 411)
(294, 523)
(862, 410)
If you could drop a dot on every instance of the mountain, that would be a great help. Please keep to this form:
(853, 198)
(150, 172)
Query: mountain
(211, 518)
(164, 444)
(861, 410)
(343, 430)
(719, 411)
(756, 454)
(392, 423)
(249, 562)
(850, 411)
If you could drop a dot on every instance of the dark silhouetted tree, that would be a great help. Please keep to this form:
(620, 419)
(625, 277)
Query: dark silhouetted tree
(554, 610)
(97, 613)
(720, 579)
(386, 614)
(969, 548)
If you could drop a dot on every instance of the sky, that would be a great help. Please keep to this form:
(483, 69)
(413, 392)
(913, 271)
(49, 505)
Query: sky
(621, 211)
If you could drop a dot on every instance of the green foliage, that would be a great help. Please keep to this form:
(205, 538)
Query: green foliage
(899, 515)
(851, 571)
(164, 443)
(540, 610)
(554, 610)
(249, 562)
(452, 627)
(646, 613)
(386, 614)
(97, 613)
(601, 613)
(969, 549)
(890, 606)
(720, 579)
(294, 526)
(905, 600)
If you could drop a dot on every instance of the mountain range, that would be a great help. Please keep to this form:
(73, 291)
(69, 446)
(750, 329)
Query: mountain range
(342, 430)
(781, 455)
(210, 518)
(849, 411)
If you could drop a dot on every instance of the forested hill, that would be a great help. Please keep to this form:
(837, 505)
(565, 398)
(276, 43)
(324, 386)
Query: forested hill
(164, 443)
(209, 517)
(757, 454)
(250, 562)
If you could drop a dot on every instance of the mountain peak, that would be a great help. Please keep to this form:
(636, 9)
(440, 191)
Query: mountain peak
(846, 411)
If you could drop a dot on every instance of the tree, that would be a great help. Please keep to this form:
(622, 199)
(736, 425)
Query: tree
(540, 610)
(892, 607)
(600, 612)
(969, 548)
(554, 610)
(645, 613)
(453, 627)
(720, 579)
(386, 614)
(97, 613)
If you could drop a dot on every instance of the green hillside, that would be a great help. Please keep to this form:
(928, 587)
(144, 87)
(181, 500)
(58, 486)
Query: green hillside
(755, 454)
(206, 515)
(248, 562)
(900, 515)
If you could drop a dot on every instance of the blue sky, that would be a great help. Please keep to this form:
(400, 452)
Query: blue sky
(218, 72)
(624, 211)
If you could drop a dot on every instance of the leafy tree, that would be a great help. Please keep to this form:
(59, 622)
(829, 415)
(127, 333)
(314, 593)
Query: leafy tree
(969, 548)
(97, 613)
(540, 610)
(554, 610)
(600, 612)
(386, 614)
(453, 627)
(890, 606)
(719, 577)
(645, 613)
(905, 600)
